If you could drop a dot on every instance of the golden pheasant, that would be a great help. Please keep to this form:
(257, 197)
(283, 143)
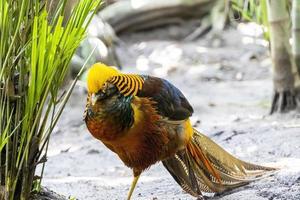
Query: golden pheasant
(144, 120)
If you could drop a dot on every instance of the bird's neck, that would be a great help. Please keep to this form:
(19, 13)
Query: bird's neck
(119, 111)
(110, 118)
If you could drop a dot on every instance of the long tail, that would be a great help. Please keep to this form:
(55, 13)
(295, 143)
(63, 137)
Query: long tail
(205, 166)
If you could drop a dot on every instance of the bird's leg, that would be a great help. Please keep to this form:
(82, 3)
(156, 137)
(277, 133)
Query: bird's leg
(136, 177)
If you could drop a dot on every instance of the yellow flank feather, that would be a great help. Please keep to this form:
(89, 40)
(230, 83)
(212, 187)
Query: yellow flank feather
(98, 74)
(189, 131)
(138, 115)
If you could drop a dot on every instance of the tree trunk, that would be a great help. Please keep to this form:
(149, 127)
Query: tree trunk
(284, 90)
(296, 33)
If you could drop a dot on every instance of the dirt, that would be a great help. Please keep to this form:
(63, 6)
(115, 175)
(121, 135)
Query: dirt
(227, 79)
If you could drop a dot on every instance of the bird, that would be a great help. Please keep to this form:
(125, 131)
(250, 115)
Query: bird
(146, 119)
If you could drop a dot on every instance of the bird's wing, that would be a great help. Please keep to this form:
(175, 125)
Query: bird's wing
(170, 102)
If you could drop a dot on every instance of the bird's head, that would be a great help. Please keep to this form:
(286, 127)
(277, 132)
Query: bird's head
(97, 78)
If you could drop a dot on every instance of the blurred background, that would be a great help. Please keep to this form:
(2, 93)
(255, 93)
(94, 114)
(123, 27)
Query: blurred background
(236, 61)
(219, 54)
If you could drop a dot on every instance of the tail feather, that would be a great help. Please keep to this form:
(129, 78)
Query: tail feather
(180, 168)
(205, 166)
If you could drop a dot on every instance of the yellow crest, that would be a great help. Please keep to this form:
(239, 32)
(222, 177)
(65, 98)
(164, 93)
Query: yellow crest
(98, 74)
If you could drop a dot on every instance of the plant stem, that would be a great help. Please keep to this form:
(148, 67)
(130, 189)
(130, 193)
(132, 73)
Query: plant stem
(283, 79)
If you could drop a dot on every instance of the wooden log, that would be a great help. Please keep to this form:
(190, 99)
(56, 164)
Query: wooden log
(140, 14)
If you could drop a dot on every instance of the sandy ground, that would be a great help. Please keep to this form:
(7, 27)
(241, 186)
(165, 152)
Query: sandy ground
(227, 79)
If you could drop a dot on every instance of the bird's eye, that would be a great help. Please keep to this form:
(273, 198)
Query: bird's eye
(100, 95)
(104, 86)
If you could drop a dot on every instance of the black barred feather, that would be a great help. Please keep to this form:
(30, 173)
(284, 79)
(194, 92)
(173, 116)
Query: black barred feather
(128, 84)
(85, 113)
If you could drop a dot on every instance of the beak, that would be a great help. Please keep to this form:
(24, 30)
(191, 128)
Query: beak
(94, 99)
